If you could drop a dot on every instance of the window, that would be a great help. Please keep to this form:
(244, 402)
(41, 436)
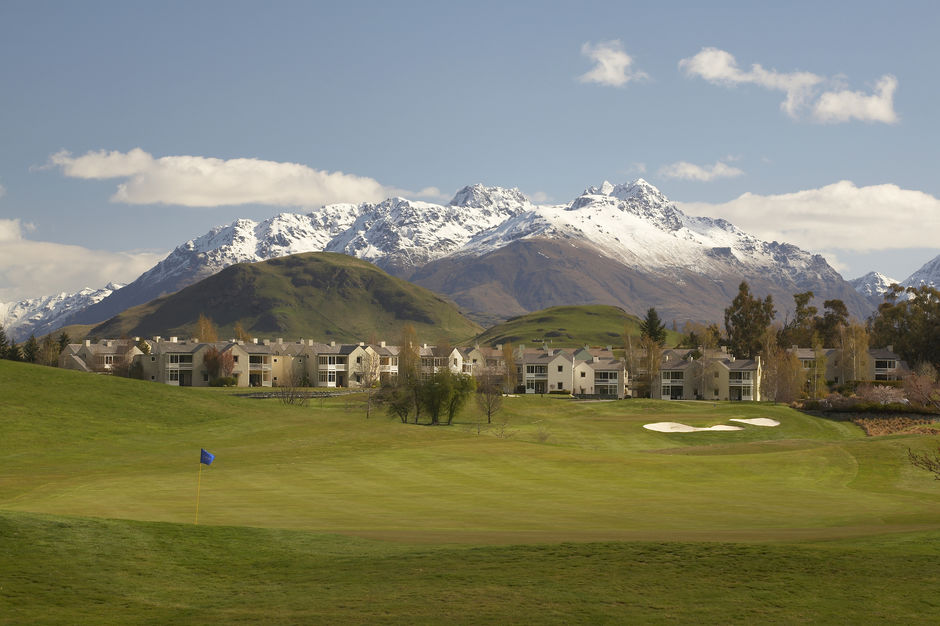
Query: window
(561, 368)
(174, 375)
(205, 377)
(275, 359)
(322, 377)
(884, 364)
(358, 360)
(582, 374)
(235, 358)
(331, 377)
(152, 359)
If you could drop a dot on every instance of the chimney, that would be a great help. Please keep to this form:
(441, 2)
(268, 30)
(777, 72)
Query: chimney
(88, 343)
(136, 339)
(157, 338)
(173, 339)
(499, 347)
(610, 348)
(195, 339)
(424, 346)
(254, 340)
(280, 340)
(332, 344)
(267, 342)
(362, 343)
(382, 344)
(310, 342)
(890, 347)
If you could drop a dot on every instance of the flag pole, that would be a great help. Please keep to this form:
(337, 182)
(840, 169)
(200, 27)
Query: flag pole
(198, 485)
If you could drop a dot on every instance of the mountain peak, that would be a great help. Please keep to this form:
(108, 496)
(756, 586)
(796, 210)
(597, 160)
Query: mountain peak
(485, 197)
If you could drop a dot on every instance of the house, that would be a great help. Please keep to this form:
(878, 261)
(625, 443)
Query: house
(707, 375)
(103, 356)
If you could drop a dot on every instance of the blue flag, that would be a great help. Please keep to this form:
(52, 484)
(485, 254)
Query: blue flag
(206, 458)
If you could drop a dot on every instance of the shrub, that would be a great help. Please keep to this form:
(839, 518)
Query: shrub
(223, 381)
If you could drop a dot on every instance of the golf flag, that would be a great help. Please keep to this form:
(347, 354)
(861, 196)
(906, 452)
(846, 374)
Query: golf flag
(206, 457)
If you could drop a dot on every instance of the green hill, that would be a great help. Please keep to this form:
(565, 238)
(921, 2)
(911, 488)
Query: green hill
(570, 512)
(317, 295)
(569, 326)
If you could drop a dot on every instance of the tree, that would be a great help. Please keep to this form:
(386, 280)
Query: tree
(48, 352)
(63, 341)
(4, 343)
(799, 330)
(463, 387)
(817, 381)
(770, 376)
(240, 333)
(698, 335)
(409, 367)
(218, 364)
(853, 352)
(436, 394)
(921, 386)
(509, 365)
(652, 352)
(367, 371)
(746, 320)
(652, 327)
(833, 320)
(911, 325)
(489, 393)
(400, 402)
(205, 330)
(14, 353)
(790, 377)
(31, 350)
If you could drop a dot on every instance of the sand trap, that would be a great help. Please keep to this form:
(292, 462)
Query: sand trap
(675, 427)
(757, 421)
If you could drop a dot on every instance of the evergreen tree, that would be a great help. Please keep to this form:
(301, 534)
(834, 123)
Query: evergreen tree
(746, 320)
(911, 324)
(4, 343)
(63, 341)
(13, 352)
(653, 328)
(31, 350)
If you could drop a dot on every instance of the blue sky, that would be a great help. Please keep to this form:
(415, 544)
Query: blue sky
(129, 127)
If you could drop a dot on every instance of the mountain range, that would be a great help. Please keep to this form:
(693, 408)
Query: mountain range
(497, 254)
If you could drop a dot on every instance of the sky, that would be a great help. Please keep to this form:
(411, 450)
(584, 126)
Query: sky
(128, 128)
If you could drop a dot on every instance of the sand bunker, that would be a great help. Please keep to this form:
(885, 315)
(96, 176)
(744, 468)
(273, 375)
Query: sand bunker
(675, 427)
(757, 421)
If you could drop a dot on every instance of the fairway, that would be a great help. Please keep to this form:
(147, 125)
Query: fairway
(299, 490)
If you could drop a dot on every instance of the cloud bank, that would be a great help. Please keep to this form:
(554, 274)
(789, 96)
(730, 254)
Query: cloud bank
(838, 216)
(684, 170)
(196, 181)
(612, 66)
(30, 269)
(801, 89)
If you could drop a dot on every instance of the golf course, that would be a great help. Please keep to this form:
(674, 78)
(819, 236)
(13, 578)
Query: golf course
(560, 511)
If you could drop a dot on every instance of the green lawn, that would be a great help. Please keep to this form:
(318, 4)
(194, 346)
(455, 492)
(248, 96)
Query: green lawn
(564, 511)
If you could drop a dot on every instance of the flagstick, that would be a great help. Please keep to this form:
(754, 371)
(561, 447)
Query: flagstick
(198, 485)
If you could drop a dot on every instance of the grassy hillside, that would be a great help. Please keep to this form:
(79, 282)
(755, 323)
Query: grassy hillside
(315, 295)
(569, 512)
(569, 326)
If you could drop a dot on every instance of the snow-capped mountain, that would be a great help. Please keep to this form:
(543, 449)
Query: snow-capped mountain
(632, 226)
(41, 315)
(638, 226)
(873, 285)
(928, 275)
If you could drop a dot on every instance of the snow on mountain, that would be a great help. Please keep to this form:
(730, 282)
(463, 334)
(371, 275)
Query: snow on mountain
(40, 315)
(928, 275)
(637, 225)
(873, 285)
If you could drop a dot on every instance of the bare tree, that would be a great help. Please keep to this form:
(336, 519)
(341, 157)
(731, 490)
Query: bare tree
(367, 371)
(289, 389)
(489, 393)
(509, 363)
(921, 386)
(205, 330)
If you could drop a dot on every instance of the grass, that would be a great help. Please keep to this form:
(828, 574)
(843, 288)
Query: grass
(569, 512)
(569, 327)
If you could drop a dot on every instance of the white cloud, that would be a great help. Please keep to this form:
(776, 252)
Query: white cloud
(30, 269)
(720, 67)
(429, 193)
(539, 197)
(840, 216)
(845, 105)
(197, 181)
(684, 170)
(612, 65)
